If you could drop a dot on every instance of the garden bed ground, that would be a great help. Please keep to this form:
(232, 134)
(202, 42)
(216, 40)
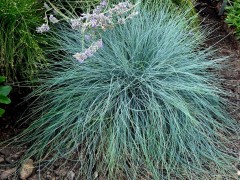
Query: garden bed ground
(222, 38)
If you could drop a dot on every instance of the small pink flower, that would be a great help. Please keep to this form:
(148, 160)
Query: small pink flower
(53, 19)
(103, 3)
(76, 23)
(87, 37)
(43, 28)
(80, 57)
(99, 43)
(89, 51)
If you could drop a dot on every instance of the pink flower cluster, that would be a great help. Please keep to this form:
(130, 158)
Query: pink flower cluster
(121, 8)
(76, 23)
(89, 51)
(43, 28)
(100, 19)
(100, 8)
(53, 19)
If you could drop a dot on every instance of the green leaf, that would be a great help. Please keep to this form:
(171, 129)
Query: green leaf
(2, 111)
(5, 90)
(2, 79)
(4, 99)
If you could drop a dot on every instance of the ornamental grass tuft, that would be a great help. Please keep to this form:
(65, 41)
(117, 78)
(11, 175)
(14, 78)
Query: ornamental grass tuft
(145, 105)
(21, 55)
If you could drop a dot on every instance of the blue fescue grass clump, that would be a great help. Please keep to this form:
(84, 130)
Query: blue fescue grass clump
(145, 105)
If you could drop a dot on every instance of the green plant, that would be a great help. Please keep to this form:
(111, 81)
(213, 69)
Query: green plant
(144, 105)
(4, 91)
(233, 16)
(21, 54)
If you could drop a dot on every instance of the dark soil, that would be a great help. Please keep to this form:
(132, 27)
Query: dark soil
(226, 43)
(222, 38)
(12, 121)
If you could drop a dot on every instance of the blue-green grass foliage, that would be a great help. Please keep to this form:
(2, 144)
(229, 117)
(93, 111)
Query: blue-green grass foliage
(144, 106)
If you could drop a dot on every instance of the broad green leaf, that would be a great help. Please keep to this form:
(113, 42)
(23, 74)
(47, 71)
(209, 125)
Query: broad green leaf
(4, 99)
(5, 90)
(2, 79)
(2, 111)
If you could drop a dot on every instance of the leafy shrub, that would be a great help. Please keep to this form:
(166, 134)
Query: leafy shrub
(20, 55)
(233, 16)
(4, 91)
(144, 105)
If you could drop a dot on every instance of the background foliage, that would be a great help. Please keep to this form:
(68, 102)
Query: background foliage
(233, 15)
(4, 92)
(21, 54)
